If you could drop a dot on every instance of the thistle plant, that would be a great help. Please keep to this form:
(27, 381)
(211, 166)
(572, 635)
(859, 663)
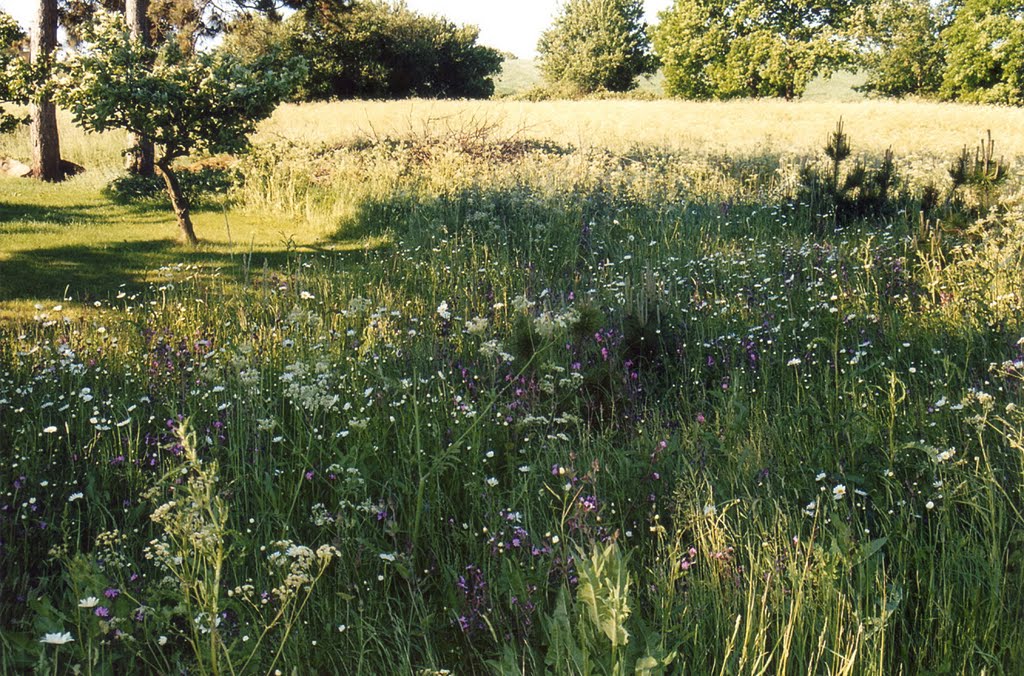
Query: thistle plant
(596, 640)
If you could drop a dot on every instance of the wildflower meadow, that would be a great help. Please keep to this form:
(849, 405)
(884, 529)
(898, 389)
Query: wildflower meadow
(471, 394)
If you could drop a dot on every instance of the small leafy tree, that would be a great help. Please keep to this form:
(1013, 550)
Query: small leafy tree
(733, 48)
(597, 45)
(184, 103)
(10, 35)
(985, 53)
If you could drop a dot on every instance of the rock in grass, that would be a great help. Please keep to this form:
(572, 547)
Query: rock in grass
(12, 167)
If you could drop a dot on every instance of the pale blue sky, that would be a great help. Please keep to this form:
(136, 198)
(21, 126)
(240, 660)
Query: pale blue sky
(510, 26)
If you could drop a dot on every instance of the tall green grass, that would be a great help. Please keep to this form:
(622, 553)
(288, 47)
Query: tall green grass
(558, 407)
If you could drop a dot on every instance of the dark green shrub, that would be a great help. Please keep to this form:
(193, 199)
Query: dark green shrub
(198, 186)
(384, 51)
(978, 175)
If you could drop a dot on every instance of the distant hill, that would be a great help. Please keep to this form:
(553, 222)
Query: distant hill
(520, 75)
(517, 75)
(838, 88)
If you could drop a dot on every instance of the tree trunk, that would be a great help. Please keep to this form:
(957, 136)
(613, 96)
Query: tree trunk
(43, 127)
(178, 200)
(139, 159)
(140, 156)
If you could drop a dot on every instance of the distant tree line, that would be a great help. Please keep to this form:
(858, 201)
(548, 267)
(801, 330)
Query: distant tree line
(958, 50)
(353, 48)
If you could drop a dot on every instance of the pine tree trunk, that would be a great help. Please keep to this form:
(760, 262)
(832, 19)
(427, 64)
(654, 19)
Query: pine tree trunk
(140, 157)
(178, 200)
(43, 128)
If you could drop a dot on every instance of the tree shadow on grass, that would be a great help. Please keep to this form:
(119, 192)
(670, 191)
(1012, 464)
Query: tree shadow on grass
(374, 216)
(21, 216)
(79, 271)
(93, 272)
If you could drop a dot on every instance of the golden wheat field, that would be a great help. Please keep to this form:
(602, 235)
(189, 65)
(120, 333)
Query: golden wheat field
(728, 128)
(732, 127)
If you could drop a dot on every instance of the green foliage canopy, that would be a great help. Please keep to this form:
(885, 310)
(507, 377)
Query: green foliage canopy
(10, 67)
(186, 21)
(207, 102)
(733, 48)
(901, 47)
(379, 50)
(597, 45)
(985, 53)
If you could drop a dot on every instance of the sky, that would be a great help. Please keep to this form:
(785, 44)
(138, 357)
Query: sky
(509, 26)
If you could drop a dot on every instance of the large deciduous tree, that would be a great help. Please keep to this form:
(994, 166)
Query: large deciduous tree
(597, 45)
(985, 53)
(185, 103)
(186, 20)
(901, 48)
(734, 48)
(380, 50)
(46, 163)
